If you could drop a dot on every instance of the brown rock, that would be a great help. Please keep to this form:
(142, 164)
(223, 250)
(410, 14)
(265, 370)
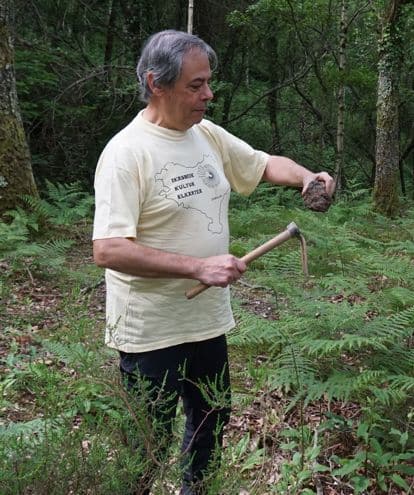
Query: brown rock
(316, 198)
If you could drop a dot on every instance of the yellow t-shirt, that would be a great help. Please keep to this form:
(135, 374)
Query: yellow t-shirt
(169, 190)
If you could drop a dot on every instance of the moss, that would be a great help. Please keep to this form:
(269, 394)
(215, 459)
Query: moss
(6, 51)
(15, 163)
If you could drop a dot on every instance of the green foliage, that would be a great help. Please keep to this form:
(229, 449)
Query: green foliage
(63, 205)
(22, 241)
(18, 245)
(90, 459)
(76, 83)
(297, 473)
(344, 334)
(375, 465)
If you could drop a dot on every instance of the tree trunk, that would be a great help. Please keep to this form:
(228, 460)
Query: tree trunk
(110, 34)
(340, 126)
(402, 178)
(412, 175)
(190, 16)
(387, 152)
(16, 176)
(272, 107)
(272, 99)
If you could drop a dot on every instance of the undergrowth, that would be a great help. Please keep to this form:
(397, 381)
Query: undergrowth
(344, 334)
(330, 373)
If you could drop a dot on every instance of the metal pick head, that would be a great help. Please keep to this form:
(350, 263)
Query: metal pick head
(293, 229)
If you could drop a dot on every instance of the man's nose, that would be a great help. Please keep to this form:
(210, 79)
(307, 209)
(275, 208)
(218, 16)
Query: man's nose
(207, 93)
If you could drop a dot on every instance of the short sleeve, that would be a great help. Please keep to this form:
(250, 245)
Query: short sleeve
(243, 165)
(118, 193)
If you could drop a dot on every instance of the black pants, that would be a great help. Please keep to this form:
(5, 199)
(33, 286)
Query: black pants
(197, 372)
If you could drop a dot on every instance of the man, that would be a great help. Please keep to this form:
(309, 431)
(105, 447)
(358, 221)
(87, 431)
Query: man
(162, 190)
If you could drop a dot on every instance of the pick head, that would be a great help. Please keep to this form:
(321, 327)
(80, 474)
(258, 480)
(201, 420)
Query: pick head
(293, 229)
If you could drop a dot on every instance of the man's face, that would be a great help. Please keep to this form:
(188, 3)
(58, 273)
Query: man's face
(186, 102)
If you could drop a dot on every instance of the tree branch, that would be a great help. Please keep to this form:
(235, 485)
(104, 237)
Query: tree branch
(99, 71)
(284, 84)
(358, 12)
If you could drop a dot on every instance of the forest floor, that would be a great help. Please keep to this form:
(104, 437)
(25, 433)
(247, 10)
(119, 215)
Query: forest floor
(35, 308)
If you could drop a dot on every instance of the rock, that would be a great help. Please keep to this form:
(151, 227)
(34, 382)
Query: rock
(316, 198)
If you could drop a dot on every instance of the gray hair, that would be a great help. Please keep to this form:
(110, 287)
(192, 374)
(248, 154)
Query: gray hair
(163, 55)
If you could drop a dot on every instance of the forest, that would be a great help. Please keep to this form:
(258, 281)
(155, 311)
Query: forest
(322, 364)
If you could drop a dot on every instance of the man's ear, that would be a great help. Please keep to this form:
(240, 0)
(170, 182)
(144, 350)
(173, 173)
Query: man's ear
(155, 90)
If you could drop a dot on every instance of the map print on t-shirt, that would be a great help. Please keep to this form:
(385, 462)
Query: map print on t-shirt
(181, 184)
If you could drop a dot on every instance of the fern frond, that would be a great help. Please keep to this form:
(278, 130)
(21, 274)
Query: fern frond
(404, 383)
(31, 432)
(394, 268)
(39, 206)
(347, 343)
(251, 330)
(389, 397)
(397, 247)
(64, 205)
(288, 264)
(336, 386)
(55, 252)
(72, 355)
(397, 298)
(291, 369)
(340, 385)
(394, 328)
(396, 359)
(11, 238)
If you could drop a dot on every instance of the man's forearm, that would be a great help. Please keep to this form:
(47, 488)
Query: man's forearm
(127, 256)
(285, 172)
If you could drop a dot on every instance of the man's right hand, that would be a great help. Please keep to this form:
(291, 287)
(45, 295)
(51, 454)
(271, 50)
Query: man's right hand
(127, 256)
(220, 270)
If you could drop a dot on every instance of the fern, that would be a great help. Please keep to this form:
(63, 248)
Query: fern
(389, 397)
(402, 383)
(48, 256)
(21, 241)
(397, 247)
(396, 359)
(289, 264)
(398, 298)
(14, 234)
(72, 355)
(64, 204)
(347, 343)
(23, 220)
(390, 268)
(292, 368)
(320, 349)
(30, 432)
(250, 330)
(397, 327)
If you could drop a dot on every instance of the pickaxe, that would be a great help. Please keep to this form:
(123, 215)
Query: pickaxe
(292, 230)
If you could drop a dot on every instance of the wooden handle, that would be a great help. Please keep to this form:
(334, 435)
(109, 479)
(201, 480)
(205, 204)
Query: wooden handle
(291, 230)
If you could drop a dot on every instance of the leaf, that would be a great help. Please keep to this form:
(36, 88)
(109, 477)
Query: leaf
(241, 446)
(297, 458)
(87, 405)
(396, 478)
(349, 467)
(304, 475)
(256, 458)
(404, 439)
(320, 468)
(360, 483)
(404, 468)
(362, 431)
